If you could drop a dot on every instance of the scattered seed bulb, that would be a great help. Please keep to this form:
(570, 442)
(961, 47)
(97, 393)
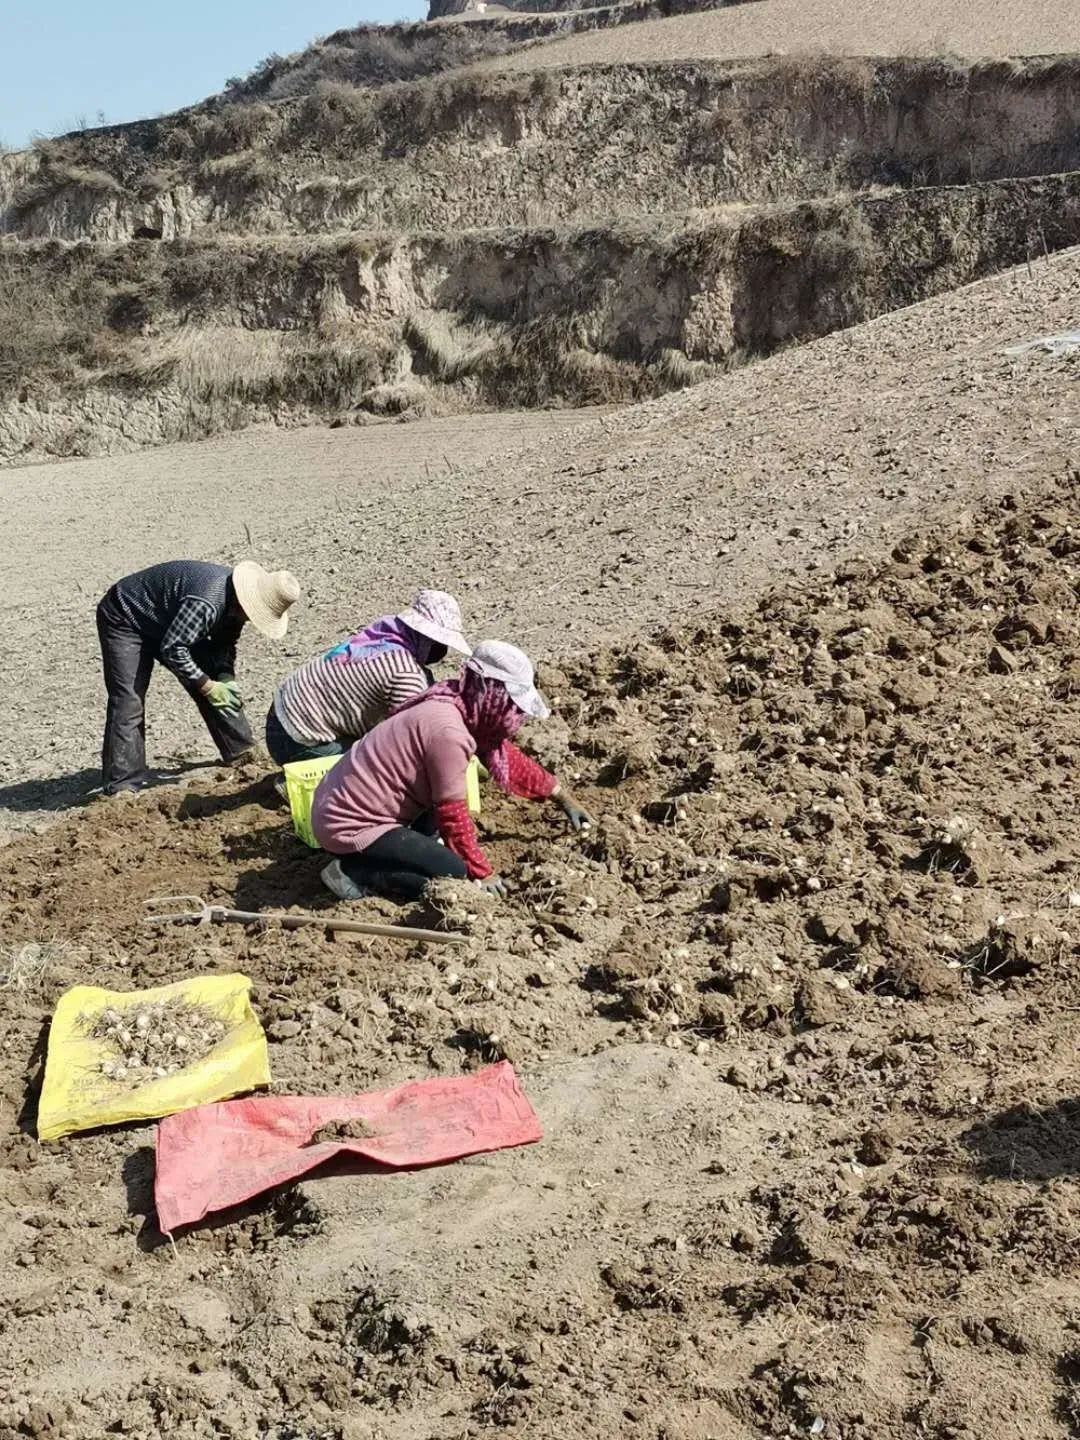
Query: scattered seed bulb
(813, 883)
(182, 1042)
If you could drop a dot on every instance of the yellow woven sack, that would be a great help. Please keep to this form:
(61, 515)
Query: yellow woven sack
(301, 781)
(78, 1095)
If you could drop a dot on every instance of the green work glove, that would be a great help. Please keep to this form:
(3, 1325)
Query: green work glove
(224, 695)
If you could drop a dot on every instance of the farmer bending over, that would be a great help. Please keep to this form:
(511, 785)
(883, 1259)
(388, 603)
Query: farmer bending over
(187, 615)
(328, 704)
(373, 809)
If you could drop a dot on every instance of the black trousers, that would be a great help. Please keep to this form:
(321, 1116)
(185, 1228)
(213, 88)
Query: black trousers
(284, 750)
(401, 862)
(128, 661)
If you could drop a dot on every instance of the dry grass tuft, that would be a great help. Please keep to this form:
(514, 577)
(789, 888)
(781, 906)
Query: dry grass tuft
(55, 177)
(29, 968)
(450, 351)
(330, 367)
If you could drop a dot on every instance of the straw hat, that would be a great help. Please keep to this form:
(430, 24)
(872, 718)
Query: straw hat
(496, 660)
(265, 597)
(437, 615)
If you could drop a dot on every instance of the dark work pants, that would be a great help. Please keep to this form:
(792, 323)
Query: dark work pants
(284, 750)
(128, 661)
(401, 862)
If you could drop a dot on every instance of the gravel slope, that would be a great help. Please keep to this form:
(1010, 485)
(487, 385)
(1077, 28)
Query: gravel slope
(852, 27)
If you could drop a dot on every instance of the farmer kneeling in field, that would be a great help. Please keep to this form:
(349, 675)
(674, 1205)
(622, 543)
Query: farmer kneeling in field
(328, 704)
(188, 616)
(374, 809)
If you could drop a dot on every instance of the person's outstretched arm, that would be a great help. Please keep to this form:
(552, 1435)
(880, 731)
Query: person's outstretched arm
(530, 781)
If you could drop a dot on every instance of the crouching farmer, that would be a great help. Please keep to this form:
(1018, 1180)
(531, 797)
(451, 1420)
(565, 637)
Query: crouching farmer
(328, 704)
(187, 615)
(380, 807)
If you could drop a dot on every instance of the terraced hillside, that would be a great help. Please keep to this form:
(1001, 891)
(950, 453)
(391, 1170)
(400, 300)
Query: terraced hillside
(319, 245)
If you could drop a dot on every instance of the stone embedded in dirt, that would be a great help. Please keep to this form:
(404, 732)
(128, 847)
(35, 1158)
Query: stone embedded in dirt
(284, 1030)
(1001, 660)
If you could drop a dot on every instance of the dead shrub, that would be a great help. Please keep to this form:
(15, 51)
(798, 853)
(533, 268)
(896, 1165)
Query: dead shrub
(52, 316)
(546, 361)
(249, 170)
(371, 55)
(53, 178)
(335, 368)
(337, 114)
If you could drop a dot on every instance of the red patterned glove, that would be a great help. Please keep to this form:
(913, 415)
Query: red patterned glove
(459, 833)
(528, 780)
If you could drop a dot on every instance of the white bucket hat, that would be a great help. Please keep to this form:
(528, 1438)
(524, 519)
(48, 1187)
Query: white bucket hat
(265, 597)
(496, 660)
(437, 615)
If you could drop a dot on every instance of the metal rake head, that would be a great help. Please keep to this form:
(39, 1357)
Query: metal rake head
(200, 910)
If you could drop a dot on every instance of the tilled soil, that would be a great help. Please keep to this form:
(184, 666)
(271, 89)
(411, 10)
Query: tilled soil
(597, 530)
(798, 1015)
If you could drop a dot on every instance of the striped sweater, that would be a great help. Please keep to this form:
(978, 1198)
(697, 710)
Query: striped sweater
(334, 699)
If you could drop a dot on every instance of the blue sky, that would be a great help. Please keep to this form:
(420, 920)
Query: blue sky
(63, 61)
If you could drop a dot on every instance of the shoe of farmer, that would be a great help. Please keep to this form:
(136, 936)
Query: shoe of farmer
(336, 881)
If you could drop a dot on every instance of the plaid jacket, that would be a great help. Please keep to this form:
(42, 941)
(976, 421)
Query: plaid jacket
(188, 609)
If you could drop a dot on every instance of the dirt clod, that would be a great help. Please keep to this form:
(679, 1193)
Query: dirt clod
(355, 1129)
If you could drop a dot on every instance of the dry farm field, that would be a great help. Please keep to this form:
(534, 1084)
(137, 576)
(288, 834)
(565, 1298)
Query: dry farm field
(712, 359)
